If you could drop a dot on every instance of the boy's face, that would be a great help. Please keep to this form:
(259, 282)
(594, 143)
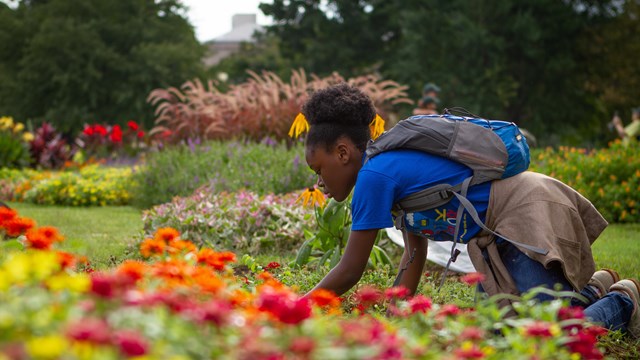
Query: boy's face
(337, 169)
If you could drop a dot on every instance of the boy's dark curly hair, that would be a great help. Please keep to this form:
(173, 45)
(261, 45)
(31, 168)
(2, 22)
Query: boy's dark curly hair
(339, 110)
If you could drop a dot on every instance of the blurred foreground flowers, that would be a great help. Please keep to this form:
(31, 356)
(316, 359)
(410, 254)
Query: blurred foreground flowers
(184, 302)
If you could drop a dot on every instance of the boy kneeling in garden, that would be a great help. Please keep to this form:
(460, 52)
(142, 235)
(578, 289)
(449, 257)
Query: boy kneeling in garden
(535, 209)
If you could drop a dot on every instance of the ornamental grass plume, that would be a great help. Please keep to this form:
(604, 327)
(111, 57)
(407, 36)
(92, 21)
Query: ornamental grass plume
(312, 196)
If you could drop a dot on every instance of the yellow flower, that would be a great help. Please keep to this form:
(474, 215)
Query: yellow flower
(27, 137)
(47, 347)
(6, 122)
(18, 127)
(78, 283)
(376, 127)
(299, 126)
(311, 197)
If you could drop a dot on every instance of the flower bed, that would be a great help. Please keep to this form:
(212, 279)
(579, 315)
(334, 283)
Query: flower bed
(188, 303)
(242, 221)
(90, 185)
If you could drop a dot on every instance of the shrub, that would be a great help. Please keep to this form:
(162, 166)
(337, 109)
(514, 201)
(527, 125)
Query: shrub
(48, 149)
(90, 186)
(14, 152)
(225, 166)
(609, 177)
(261, 107)
(242, 221)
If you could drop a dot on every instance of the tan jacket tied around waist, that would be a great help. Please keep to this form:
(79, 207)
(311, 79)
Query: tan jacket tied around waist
(540, 211)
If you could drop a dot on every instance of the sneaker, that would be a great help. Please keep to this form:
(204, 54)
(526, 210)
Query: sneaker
(603, 279)
(631, 288)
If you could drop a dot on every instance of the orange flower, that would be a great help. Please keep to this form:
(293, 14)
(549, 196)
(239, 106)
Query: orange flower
(208, 280)
(166, 234)
(180, 246)
(43, 238)
(18, 226)
(133, 269)
(325, 298)
(151, 247)
(66, 260)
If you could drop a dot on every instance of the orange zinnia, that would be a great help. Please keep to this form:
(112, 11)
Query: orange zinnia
(66, 260)
(133, 269)
(6, 214)
(166, 234)
(151, 247)
(179, 246)
(18, 226)
(208, 280)
(325, 298)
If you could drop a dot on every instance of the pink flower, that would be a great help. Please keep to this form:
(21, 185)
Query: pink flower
(396, 292)
(472, 333)
(108, 285)
(472, 278)
(302, 345)
(449, 310)
(92, 330)
(131, 343)
(367, 296)
(420, 303)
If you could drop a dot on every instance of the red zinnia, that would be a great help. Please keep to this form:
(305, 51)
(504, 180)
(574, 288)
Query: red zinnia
(7, 214)
(396, 292)
(140, 134)
(116, 134)
(472, 278)
(132, 125)
(18, 226)
(420, 303)
(131, 343)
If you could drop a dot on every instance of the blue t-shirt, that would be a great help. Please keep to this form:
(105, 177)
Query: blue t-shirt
(393, 175)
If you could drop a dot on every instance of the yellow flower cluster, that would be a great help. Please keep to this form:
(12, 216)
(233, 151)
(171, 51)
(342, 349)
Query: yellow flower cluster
(17, 128)
(35, 266)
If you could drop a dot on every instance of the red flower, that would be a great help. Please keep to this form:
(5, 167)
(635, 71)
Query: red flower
(420, 303)
(88, 130)
(469, 352)
(273, 265)
(396, 292)
(472, 278)
(66, 260)
(107, 285)
(539, 329)
(116, 134)
(18, 226)
(216, 312)
(287, 309)
(140, 134)
(131, 343)
(7, 214)
(43, 238)
(100, 130)
(585, 343)
(132, 125)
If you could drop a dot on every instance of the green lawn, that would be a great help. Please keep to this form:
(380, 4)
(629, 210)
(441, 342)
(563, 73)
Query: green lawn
(100, 233)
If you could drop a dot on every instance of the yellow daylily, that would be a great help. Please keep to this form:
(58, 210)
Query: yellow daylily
(6, 122)
(376, 127)
(27, 137)
(18, 127)
(299, 126)
(312, 196)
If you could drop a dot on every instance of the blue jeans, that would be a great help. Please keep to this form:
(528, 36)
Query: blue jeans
(612, 311)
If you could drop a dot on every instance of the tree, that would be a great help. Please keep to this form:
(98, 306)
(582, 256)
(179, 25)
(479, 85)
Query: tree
(75, 61)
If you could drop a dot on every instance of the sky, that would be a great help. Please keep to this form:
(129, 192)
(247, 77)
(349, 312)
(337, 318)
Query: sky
(212, 18)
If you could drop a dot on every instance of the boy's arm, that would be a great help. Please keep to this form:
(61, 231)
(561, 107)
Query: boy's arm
(352, 264)
(411, 276)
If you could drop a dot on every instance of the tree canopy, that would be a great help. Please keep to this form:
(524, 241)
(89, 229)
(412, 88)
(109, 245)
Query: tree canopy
(555, 67)
(76, 61)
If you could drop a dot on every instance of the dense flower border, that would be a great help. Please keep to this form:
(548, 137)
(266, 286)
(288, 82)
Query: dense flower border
(188, 303)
